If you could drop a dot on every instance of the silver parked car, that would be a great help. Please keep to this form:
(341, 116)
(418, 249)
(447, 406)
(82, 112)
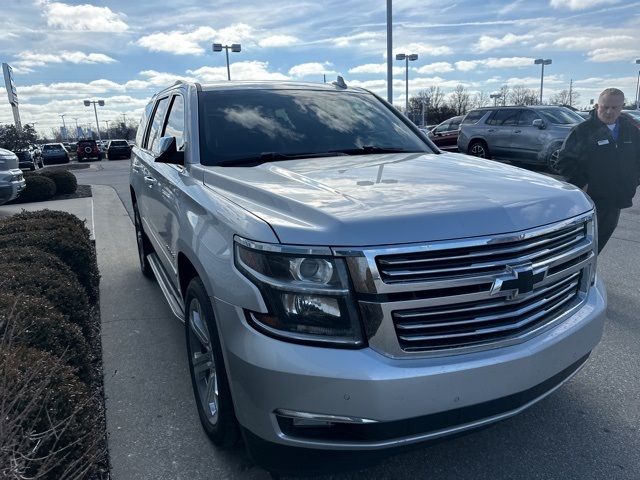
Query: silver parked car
(529, 135)
(344, 285)
(11, 179)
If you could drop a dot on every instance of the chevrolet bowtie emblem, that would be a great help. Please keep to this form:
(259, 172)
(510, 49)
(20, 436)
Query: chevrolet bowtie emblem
(519, 280)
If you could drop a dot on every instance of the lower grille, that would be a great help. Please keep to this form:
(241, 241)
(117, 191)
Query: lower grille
(468, 324)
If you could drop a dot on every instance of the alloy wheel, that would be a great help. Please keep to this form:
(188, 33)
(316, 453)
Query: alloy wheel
(203, 362)
(478, 150)
(553, 161)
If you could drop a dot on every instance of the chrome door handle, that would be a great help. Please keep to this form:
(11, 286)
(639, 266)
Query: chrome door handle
(150, 181)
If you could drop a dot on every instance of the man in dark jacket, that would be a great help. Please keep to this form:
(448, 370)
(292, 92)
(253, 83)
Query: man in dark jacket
(602, 157)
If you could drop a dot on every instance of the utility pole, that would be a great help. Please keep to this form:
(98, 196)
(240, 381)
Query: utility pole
(389, 54)
(571, 93)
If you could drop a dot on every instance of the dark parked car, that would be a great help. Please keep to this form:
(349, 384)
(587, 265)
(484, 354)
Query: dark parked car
(88, 149)
(54, 153)
(633, 115)
(531, 135)
(445, 135)
(27, 160)
(118, 149)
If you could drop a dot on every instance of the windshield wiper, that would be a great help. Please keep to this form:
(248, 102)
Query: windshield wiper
(367, 149)
(265, 157)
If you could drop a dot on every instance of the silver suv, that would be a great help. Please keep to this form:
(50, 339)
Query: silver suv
(528, 135)
(11, 179)
(345, 285)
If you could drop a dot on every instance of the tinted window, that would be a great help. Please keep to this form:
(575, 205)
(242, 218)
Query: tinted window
(242, 125)
(504, 117)
(455, 123)
(175, 122)
(143, 124)
(156, 125)
(53, 147)
(473, 117)
(443, 127)
(560, 116)
(527, 117)
(119, 143)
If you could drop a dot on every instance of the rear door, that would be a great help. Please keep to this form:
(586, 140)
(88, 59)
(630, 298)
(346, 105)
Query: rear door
(500, 130)
(527, 141)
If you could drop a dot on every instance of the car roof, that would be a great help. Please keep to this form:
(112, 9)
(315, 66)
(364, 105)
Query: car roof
(535, 107)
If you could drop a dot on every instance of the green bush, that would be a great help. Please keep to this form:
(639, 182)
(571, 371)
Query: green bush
(60, 235)
(51, 424)
(27, 273)
(65, 181)
(36, 323)
(38, 189)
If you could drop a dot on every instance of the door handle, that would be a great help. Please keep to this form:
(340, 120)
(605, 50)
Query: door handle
(491, 130)
(517, 131)
(150, 181)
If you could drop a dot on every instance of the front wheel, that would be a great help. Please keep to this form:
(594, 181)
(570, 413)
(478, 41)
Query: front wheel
(479, 149)
(553, 159)
(206, 366)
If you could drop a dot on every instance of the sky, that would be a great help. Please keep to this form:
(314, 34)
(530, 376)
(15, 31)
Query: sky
(123, 51)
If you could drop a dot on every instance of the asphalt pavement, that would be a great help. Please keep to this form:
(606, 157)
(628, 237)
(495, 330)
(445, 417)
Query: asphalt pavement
(588, 429)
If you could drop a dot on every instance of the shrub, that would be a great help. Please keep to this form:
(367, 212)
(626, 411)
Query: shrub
(49, 219)
(65, 181)
(50, 424)
(38, 324)
(51, 281)
(65, 238)
(38, 188)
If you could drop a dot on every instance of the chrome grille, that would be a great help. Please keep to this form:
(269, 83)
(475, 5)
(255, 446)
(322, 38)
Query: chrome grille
(472, 294)
(473, 260)
(476, 322)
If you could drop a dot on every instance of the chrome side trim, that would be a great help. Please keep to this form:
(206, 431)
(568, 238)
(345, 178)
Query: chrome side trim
(322, 417)
(173, 298)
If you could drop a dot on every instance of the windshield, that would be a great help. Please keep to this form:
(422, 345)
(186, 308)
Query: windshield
(560, 116)
(52, 147)
(119, 143)
(275, 124)
(633, 114)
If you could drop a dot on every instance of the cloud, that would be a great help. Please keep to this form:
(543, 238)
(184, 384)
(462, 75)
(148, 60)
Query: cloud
(178, 43)
(535, 81)
(362, 39)
(252, 70)
(467, 65)
(375, 68)
(278, 41)
(28, 60)
(190, 43)
(612, 54)
(423, 49)
(83, 17)
(437, 67)
(486, 42)
(580, 4)
(492, 62)
(308, 69)
(585, 43)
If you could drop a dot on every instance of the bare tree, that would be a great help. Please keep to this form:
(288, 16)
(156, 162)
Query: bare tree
(564, 98)
(505, 93)
(521, 95)
(480, 99)
(460, 99)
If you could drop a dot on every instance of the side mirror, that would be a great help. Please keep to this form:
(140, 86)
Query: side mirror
(168, 153)
(538, 123)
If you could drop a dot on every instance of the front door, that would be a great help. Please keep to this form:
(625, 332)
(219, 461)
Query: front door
(500, 128)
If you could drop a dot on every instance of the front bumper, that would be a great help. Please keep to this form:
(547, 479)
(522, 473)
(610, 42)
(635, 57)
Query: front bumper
(394, 402)
(12, 183)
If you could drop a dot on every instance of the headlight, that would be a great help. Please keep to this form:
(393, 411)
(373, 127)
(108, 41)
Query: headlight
(307, 294)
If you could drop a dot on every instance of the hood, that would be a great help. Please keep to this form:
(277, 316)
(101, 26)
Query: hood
(395, 198)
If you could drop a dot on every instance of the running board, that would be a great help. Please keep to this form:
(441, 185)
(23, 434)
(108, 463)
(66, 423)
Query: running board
(173, 297)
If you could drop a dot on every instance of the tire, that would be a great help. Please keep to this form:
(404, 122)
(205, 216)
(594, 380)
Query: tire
(478, 148)
(207, 370)
(144, 245)
(552, 159)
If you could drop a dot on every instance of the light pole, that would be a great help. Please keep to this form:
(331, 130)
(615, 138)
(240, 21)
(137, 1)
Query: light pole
(64, 127)
(389, 53)
(108, 132)
(638, 86)
(495, 97)
(95, 110)
(235, 47)
(543, 62)
(77, 134)
(407, 57)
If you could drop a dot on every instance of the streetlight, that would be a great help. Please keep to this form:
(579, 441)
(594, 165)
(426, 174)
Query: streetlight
(543, 62)
(95, 110)
(407, 58)
(389, 54)
(217, 47)
(495, 97)
(64, 127)
(638, 86)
